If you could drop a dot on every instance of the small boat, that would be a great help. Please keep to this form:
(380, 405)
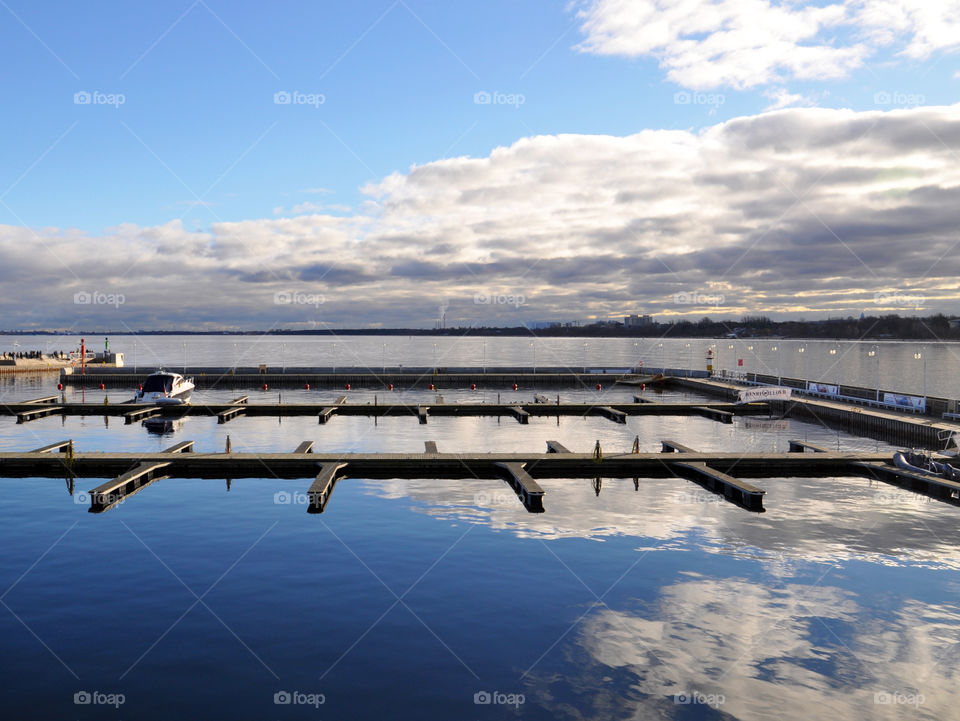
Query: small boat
(919, 462)
(165, 387)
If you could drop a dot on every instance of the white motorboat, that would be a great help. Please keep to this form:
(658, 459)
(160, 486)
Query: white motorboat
(165, 387)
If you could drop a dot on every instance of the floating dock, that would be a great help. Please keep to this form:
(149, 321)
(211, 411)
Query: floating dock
(131, 473)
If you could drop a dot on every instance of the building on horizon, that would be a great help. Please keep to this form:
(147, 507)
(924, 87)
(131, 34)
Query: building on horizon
(637, 321)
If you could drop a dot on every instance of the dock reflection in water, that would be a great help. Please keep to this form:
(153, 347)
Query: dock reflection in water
(641, 601)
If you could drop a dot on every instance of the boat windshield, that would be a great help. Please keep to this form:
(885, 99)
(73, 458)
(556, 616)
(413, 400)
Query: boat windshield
(158, 384)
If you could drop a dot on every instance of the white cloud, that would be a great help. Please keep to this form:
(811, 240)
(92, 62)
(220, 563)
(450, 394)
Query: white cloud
(799, 211)
(745, 43)
(781, 98)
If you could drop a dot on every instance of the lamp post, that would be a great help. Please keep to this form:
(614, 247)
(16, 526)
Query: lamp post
(803, 370)
(872, 353)
(920, 356)
(533, 345)
(835, 352)
(779, 359)
(384, 357)
(484, 356)
(283, 357)
(584, 357)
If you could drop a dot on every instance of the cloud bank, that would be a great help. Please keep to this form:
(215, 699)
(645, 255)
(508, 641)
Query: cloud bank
(746, 43)
(803, 211)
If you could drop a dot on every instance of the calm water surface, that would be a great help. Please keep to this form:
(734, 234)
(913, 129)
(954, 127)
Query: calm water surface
(413, 599)
(890, 365)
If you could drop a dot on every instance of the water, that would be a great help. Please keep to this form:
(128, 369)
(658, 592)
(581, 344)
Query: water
(892, 365)
(414, 598)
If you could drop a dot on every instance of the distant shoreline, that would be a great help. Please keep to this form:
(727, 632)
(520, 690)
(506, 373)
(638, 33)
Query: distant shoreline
(890, 328)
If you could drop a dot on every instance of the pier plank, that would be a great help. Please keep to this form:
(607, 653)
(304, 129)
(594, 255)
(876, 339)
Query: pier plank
(611, 413)
(733, 489)
(32, 415)
(801, 446)
(529, 491)
(674, 447)
(322, 487)
(62, 446)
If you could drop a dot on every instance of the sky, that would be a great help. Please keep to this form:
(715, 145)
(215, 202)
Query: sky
(203, 164)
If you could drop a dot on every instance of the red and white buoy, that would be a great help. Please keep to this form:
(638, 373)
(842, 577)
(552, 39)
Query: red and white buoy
(599, 387)
(390, 387)
(264, 386)
(514, 386)
(306, 386)
(473, 386)
(347, 387)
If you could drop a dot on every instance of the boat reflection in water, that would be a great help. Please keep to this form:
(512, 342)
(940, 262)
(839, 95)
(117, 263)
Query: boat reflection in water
(163, 426)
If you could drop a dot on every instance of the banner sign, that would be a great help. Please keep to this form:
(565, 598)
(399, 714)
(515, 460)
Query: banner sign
(823, 388)
(764, 394)
(895, 399)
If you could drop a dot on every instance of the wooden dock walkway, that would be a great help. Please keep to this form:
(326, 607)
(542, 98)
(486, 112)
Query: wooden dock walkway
(326, 412)
(131, 472)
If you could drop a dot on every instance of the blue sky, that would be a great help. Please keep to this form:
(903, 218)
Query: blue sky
(183, 136)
